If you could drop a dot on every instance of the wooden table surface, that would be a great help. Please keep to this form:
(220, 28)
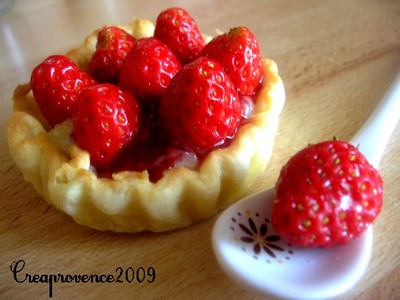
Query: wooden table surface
(337, 58)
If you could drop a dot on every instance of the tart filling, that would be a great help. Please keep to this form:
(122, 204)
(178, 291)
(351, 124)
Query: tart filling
(128, 201)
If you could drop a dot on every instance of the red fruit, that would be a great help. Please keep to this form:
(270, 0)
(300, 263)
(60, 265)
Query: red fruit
(238, 52)
(56, 83)
(148, 69)
(179, 31)
(106, 121)
(201, 108)
(327, 194)
(113, 45)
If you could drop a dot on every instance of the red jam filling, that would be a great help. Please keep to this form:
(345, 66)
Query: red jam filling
(153, 152)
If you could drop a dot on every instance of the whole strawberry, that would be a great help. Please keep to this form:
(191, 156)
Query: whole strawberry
(56, 83)
(148, 69)
(179, 31)
(238, 52)
(113, 45)
(201, 107)
(327, 194)
(106, 121)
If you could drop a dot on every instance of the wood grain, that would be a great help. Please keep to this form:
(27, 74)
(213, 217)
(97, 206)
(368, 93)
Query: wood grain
(337, 58)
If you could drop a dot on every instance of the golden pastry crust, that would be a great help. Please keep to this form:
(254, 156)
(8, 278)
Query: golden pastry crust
(128, 202)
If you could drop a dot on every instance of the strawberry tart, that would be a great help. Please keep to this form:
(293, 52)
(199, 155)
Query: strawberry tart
(148, 126)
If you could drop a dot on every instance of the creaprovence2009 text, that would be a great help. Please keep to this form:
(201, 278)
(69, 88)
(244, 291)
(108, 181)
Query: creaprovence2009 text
(121, 275)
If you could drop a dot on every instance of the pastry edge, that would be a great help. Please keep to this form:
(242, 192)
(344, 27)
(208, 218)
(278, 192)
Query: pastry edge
(130, 202)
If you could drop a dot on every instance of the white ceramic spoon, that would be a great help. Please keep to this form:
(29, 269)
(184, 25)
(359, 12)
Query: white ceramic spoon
(249, 250)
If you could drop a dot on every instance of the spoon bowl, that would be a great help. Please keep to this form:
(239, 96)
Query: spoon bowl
(252, 253)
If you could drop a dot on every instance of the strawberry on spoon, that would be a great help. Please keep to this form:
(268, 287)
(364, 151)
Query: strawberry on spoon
(326, 194)
(249, 249)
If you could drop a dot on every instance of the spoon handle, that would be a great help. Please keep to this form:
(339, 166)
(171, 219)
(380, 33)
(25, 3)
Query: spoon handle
(376, 131)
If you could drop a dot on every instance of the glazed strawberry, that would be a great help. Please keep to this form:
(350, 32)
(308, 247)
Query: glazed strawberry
(238, 52)
(179, 31)
(149, 69)
(113, 45)
(327, 194)
(106, 121)
(56, 83)
(201, 108)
